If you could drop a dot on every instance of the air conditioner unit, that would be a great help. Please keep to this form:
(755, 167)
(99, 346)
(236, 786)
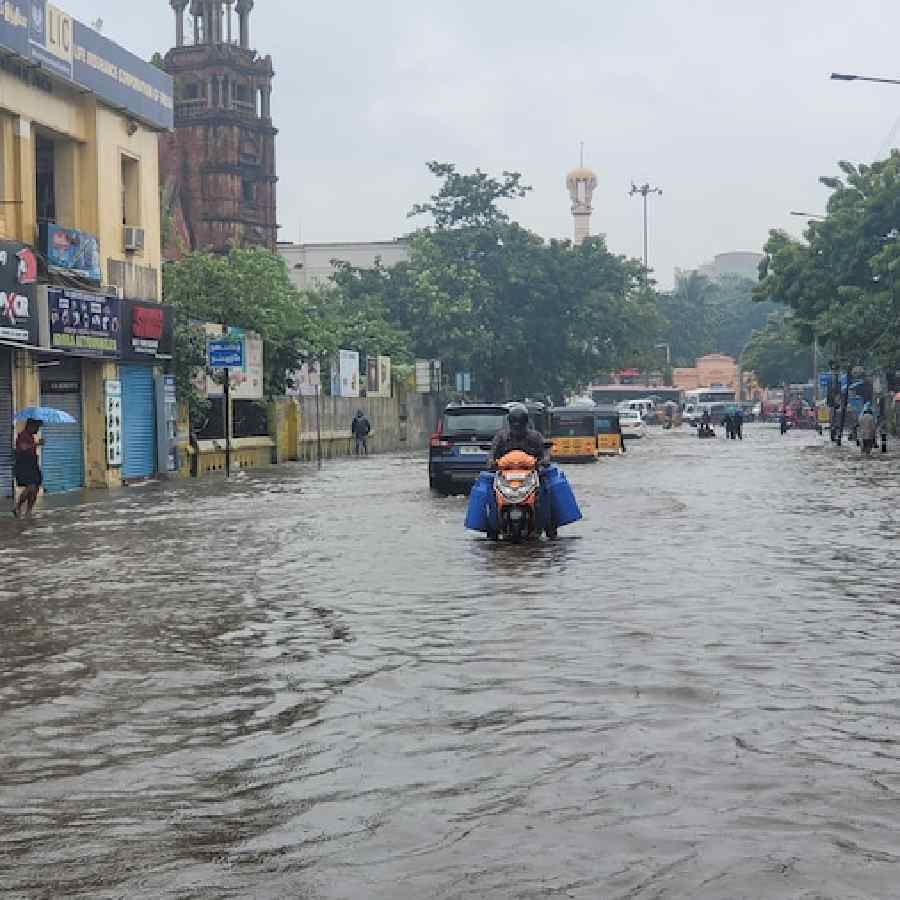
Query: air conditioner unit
(134, 238)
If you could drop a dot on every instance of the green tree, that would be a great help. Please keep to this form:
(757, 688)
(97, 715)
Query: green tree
(688, 314)
(777, 355)
(705, 316)
(840, 279)
(249, 289)
(526, 317)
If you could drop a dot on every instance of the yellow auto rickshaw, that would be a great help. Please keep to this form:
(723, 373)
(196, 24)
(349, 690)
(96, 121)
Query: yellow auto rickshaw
(573, 431)
(610, 441)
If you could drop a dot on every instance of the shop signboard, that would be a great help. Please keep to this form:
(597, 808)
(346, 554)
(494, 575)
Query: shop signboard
(147, 331)
(72, 251)
(43, 34)
(113, 392)
(80, 323)
(345, 374)
(18, 305)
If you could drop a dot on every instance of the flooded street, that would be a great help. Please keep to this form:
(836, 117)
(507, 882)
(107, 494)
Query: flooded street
(317, 685)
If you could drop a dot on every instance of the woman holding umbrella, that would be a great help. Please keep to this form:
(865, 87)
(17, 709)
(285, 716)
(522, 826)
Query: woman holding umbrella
(28, 468)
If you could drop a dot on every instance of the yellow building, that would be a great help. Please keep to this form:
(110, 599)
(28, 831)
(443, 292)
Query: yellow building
(79, 183)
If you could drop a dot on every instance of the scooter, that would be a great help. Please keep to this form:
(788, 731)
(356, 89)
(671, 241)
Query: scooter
(517, 488)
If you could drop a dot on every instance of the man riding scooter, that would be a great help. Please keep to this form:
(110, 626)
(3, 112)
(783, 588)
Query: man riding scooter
(519, 436)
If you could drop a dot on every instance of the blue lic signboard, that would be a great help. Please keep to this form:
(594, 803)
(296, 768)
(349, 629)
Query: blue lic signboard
(225, 354)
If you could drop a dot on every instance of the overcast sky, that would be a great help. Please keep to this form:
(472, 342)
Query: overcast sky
(725, 105)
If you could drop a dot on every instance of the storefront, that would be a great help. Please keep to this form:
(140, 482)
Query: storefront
(18, 329)
(82, 329)
(63, 454)
(147, 341)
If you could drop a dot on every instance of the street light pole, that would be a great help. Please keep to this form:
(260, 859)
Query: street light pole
(645, 190)
(839, 76)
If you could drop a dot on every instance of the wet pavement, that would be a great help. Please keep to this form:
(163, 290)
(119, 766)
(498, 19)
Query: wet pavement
(317, 685)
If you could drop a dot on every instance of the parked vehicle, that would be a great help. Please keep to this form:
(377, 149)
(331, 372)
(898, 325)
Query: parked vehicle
(461, 445)
(632, 424)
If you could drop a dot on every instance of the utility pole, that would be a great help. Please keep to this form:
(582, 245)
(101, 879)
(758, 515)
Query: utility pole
(645, 190)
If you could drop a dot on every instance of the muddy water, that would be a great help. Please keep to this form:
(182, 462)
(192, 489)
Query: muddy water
(317, 685)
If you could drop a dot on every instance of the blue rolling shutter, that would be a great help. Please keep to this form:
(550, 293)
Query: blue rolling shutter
(62, 461)
(138, 422)
(7, 454)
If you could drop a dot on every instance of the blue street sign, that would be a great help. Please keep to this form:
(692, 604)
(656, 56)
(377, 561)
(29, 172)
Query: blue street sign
(225, 354)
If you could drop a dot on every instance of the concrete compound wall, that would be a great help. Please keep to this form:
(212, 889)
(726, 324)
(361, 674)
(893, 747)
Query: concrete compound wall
(398, 423)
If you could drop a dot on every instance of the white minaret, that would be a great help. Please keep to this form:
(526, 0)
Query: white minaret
(582, 183)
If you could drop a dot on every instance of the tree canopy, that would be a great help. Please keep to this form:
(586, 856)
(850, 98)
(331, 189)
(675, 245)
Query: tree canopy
(249, 289)
(776, 354)
(486, 295)
(840, 279)
(704, 316)
(526, 317)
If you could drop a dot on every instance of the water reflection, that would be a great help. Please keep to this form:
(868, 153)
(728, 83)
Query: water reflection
(318, 685)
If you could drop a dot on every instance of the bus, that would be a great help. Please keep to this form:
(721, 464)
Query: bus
(702, 396)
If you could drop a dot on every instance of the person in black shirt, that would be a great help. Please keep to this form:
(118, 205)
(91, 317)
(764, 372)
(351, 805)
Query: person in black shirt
(518, 435)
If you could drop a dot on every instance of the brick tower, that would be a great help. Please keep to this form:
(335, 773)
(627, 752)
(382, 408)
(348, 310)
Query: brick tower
(218, 167)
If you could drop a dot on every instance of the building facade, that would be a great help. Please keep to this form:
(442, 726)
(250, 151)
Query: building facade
(313, 265)
(81, 326)
(735, 264)
(218, 165)
(714, 369)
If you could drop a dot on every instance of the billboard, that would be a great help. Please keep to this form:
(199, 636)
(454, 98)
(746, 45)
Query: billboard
(428, 376)
(247, 382)
(148, 330)
(43, 34)
(18, 303)
(80, 323)
(345, 374)
(379, 376)
(73, 250)
(307, 380)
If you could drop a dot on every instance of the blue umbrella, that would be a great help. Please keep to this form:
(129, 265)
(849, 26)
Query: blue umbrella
(46, 414)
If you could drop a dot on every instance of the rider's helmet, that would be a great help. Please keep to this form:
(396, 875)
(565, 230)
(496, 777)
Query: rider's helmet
(518, 418)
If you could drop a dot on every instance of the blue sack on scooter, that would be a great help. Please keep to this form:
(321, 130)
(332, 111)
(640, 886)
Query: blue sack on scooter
(564, 508)
(477, 513)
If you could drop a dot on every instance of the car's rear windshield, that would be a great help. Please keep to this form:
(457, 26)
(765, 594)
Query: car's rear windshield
(577, 425)
(482, 422)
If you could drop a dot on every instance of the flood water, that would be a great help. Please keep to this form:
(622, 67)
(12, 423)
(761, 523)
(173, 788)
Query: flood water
(317, 685)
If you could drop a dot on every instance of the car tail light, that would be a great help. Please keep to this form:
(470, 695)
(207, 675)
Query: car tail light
(437, 441)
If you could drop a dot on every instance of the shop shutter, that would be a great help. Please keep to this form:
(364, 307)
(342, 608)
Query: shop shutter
(62, 460)
(138, 422)
(7, 454)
